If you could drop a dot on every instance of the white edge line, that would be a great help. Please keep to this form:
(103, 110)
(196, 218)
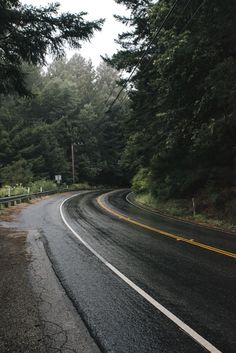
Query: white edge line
(188, 330)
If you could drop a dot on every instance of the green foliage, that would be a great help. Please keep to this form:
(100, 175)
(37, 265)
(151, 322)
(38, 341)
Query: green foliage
(68, 107)
(178, 208)
(80, 186)
(141, 181)
(28, 187)
(8, 190)
(178, 138)
(183, 122)
(17, 172)
(28, 34)
(183, 208)
(38, 185)
(42, 184)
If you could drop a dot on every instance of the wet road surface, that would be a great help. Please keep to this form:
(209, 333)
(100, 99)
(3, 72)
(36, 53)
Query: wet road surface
(196, 285)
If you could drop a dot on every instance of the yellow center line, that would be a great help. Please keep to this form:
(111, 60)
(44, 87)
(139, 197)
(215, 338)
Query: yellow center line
(162, 232)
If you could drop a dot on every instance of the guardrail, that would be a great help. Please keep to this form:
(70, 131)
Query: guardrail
(9, 201)
(16, 199)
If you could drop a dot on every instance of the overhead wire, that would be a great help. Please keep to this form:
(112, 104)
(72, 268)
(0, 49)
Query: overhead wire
(150, 60)
(112, 90)
(182, 12)
(182, 29)
(193, 15)
(145, 52)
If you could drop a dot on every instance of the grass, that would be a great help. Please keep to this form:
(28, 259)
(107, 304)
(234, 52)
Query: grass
(15, 190)
(172, 207)
(44, 185)
(183, 209)
(79, 186)
(37, 186)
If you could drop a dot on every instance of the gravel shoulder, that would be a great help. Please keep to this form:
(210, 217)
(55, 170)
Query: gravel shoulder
(35, 313)
(20, 322)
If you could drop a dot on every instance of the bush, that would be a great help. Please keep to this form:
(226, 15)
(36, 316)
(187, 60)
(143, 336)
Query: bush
(141, 181)
(18, 172)
(171, 207)
(46, 185)
(14, 190)
(79, 186)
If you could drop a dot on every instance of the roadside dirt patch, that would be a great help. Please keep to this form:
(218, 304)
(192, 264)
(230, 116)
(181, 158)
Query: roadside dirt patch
(20, 326)
(9, 214)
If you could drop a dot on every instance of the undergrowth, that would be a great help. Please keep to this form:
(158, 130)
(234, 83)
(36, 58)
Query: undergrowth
(183, 208)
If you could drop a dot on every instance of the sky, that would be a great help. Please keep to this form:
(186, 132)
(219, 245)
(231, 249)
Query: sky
(103, 42)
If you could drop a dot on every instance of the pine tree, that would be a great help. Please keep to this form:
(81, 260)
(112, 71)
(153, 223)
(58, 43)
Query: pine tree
(28, 34)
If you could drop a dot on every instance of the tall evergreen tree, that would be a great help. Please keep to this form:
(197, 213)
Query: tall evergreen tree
(183, 99)
(68, 107)
(28, 34)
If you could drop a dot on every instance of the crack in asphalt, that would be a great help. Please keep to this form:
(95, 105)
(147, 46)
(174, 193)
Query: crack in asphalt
(55, 335)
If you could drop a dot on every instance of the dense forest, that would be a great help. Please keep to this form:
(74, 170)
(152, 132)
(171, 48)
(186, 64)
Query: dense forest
(67, 107)
(182, 130)
(169, 128)
(47, 110)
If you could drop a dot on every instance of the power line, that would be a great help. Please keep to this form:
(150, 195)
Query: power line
(150, 60)
(147, 64)
(182, 29)
(113, 89)
(145, 52)
(193, 15)
(182, 12)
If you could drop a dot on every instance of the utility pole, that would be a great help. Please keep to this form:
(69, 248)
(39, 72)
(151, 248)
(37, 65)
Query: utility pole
(73, 162)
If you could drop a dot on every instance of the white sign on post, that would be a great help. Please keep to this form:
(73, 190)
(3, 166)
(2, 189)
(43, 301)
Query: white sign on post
(58, 178)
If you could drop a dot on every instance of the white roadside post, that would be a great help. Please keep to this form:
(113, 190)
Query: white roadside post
(73, 162)
(194, 207)
(58, 179)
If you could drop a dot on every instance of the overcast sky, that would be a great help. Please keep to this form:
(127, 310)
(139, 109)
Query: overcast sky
(103, 42)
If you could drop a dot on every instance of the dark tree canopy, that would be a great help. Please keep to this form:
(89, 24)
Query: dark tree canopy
(178, 138)
(67, 106)
(28, 34)
(183, 126)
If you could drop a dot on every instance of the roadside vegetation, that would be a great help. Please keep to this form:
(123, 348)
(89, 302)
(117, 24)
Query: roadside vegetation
(181, 134)
(183, 209)
(67, 107)
(170, 133)
(44, 185)
(33, 187)
(208, 207)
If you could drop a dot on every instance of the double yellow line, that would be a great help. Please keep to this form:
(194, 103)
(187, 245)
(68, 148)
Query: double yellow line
(162, 232)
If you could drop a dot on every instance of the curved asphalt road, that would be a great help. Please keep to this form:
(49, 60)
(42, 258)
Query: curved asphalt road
(196, 285)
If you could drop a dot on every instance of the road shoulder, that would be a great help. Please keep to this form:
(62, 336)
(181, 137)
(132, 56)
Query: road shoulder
(20, 324)
(37, 315)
